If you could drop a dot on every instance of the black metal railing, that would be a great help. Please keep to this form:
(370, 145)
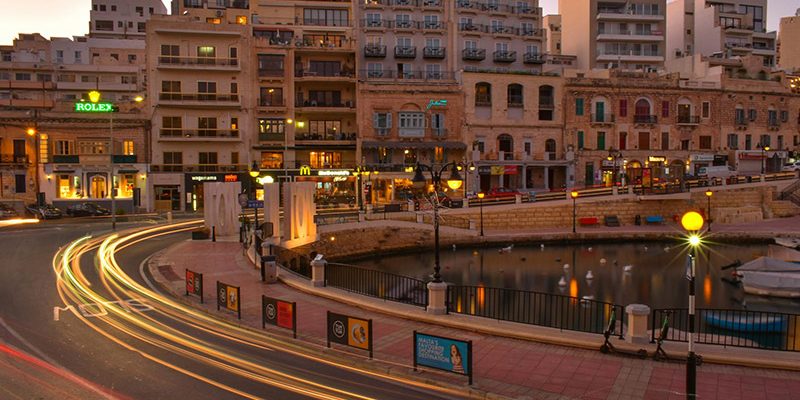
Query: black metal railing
(293, 261)
(645, 119)
(535, 308)
(737, 328)
(376, 283)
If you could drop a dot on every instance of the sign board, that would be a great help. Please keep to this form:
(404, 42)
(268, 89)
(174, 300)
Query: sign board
(443, 353)
(194, 284)
(255, 204)
(333, 172)
(85, 107)
(350, 331)
(228, 298)
(436, 103)
(279, 313)
(305, 170)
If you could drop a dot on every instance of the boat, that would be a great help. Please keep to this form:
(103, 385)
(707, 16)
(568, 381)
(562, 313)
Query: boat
(791, 243)
(768, 276)
(742, 321)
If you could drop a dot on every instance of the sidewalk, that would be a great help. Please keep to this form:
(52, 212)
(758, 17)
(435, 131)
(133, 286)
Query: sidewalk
(504, 366)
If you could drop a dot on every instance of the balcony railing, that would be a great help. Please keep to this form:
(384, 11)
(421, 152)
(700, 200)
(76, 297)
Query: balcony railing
(688, 119)
(172, 96)
(741, 121)
(433, 52)
(432, 25)
(198, 61)
(645, 119)
(375, 50)
(66, 159)
(324, 74)
(505, 56)
(627, 11)
(269, 102)
(124, 158)
(533, 58)
(329, 104)
(473, 54)
(198, 168)
(271, 137)
(340, 136)
(198, 133)
(405, 52)
(374, 23)
(411, 75)
(278, 73)
(470, 27)
(603, 118)
(405, 3)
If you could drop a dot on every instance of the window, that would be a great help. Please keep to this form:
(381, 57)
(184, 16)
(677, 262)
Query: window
(772, 117)
(171, 126)
(374, 70)
(601, 140)
(271, 160)
(22, 76)
(515, 98)
(623, 140)
(580, 140)
(705, 142)
(579, 106)
(325, 68)
(505, 143)
(214, 21)
(740, 117)
(206, 54)
(623, 108)
(272, 125)
(685, 144)
(234, 127)
(382, 122)
(325, 17)
(402, 21)
(106, 26)
(325, 129)
(664, 109)
(546, 103)
(170, 90)
(753, 114)
(234, 157)
(141, 27)
(642, 108)
(127, 148)
(483, 94)
(644, 140)
(170, 53)
(206, 126)
(748, 142)
(131, 58)
(206, 90)
(270, 65)
(325, 159)
(63, 147)
(780, 142)
(93, 147)
(664, 140)
(784, 116)
(207, 158)
(412, 124)
(527, 147)
(733, 141)
(19, 183)
(271, 96)
(44, 78)
(431, 22)
(234, 88)
(479, 145)
(706, 109)
(437, 125)
(140, 11)
(765, 141)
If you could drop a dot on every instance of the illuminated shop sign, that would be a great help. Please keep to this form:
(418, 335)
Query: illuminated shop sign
(94, 107)
(436, 103)
(231, 178)
(203, 178)
(333, 172)
(305, 170)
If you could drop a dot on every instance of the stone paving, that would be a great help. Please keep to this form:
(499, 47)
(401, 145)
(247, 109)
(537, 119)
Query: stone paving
(504, 366)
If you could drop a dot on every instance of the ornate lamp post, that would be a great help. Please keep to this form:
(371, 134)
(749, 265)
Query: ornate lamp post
(454, 182)
(709, 193)
(614, 156)
(574, 195)
(692, 222)
(481, 195)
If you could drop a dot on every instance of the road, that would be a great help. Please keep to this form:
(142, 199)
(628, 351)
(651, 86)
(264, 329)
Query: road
(158, 353)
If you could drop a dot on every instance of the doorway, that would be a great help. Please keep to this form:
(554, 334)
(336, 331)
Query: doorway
(97, 188)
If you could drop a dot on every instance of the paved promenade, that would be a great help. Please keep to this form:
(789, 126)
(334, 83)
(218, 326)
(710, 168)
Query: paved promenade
(503, 366)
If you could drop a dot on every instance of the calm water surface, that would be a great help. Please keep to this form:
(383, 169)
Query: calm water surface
(656, 276)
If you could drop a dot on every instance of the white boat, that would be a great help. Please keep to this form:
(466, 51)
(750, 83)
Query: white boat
(771, 277)
(791, 243)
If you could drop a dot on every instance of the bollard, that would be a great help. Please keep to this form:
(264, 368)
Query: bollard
(437, 295)
(638, 315)
(169, 217)
(269, 269)
(213, 233)
(518, 198)
(318, 271)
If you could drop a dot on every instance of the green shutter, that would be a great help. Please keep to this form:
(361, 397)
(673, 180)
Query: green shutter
(601, 140)
(580, 140)
(579, 106)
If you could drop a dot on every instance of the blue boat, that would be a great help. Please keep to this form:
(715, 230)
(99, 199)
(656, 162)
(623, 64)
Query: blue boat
(746, 322)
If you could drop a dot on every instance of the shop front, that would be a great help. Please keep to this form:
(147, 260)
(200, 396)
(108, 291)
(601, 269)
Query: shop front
(698, 161)
(194, 188)
(68, 185)
(335, 188)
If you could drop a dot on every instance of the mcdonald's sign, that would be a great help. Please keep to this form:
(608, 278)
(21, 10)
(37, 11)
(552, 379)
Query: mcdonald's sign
(305, 170)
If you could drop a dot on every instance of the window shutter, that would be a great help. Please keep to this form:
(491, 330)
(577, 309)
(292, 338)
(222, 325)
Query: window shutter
(579, 106)
(376, 120)
(388, 120)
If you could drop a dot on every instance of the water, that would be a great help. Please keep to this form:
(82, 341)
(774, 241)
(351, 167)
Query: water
(656, 277)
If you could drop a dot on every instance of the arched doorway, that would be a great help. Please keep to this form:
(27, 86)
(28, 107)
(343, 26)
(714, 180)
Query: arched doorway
(97, 187)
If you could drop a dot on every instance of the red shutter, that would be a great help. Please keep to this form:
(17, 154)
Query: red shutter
(623, 108)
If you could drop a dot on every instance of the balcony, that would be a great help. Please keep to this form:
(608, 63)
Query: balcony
(271, 137)
(404, 25)
(688, 120)
(741, 121)
(195, 99)
(271, 103)
(339, 137)
(433, 52)
(432, 25)
(22, 160)
(374, 23)
(531, 33)
(773, 125)
(525, 11)
(345, 106)
(603, 118)
(645, 119)
(405, 52)
(633, 35)
(432, 3)
(198, 168)
(470, 27)
(324, 75)
(169, 134)
(533, 58)
(627, 14)
(375, 51)
(174, 62)
(504, 56)
(473, 54)
(630, 56)
(427, 76)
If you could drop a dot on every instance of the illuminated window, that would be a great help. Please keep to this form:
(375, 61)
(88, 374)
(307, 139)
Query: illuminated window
(271, 160)
(127, 148)
(215, 21)
(325, 159)
(241, 20)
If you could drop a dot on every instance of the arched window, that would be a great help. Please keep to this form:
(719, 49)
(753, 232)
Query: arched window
(515, 98)
(550, 145)
(483, 94)
(642, 112)
(546, 103)
(505, 143)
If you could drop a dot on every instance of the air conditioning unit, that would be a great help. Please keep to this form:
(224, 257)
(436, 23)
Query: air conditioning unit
(219, 13)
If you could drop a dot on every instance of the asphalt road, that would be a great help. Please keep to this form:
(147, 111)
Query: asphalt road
(44, 358)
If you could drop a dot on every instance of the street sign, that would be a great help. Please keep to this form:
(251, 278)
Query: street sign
(194, 284)
(279, 313)
(350, 331)
(443, 353)
(255, 204)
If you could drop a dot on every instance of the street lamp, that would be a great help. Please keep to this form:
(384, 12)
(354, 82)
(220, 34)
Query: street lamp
(454, 182)
(709, 193)
(614, 155)
(574, 195)
(360, 172)
(692, 222)
(764, 151)
(481, 195)
(255, 170)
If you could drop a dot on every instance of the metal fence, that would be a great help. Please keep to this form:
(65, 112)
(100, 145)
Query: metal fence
(738, 328)
(293, 261)
(535, 308)
(378, 284)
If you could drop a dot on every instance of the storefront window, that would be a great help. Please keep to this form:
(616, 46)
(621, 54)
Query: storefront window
(325, 159)
(270, 160)
(126, 184)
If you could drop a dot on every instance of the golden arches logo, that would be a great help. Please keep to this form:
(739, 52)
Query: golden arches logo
(305, 170)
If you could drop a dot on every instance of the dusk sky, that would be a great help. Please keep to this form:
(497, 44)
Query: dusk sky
(71, 17)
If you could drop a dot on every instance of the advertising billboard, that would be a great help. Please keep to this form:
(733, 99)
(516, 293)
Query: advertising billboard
(228, 298)
(194, 284)
(350, 331)
(443, 353)
(279, 313)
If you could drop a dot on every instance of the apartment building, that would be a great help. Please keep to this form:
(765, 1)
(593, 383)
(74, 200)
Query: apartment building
(649, 130)
(788, 49)
(122, 19)
(51, 149)
(623, 34)
(552, 27)
(720, 29)
(514, 125)
(201, 95)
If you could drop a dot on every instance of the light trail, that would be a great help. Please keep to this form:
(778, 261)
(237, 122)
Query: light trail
(76, 290)
(18, 221)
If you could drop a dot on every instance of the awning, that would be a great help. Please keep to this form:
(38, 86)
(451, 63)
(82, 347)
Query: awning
(414, 145)
(127, 171)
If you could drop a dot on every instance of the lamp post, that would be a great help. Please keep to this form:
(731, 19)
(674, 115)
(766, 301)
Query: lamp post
(574, 195)
(255, 170)
(709, 193)
(614, 156)
(359, 173)
(454, 182)
(481, 195)
(692, 222)
(764, 150)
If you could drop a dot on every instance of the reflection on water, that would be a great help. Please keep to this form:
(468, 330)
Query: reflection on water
(651, 273)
